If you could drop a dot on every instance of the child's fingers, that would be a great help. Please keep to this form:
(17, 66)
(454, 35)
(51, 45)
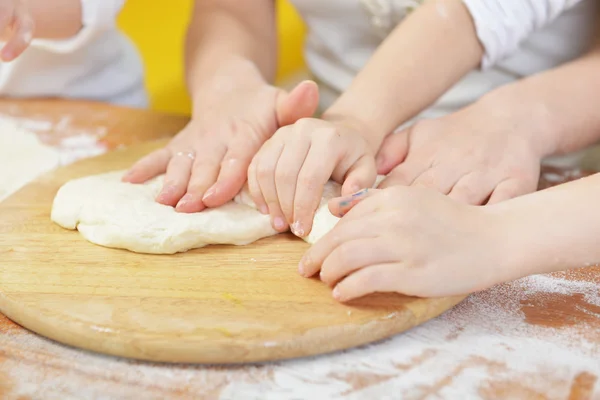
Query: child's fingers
(353, 255)
(301, 102)
(473, 188)
(254, 188)
(440, 178)
(405, 173)
(361, 175)
(232, 176)
(345, 231)
(378, 278)
(509, 189)
(392, 152)
(340, 206)
(313, 176)
(176, 178)
(23, 27)
(265, 172)
(149, 166)
(286, 175)
(203, 175)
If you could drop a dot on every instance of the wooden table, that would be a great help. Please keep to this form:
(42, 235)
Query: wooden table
(537, 338)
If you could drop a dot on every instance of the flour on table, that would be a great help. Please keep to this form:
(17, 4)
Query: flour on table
(22, 157)
(114, 214)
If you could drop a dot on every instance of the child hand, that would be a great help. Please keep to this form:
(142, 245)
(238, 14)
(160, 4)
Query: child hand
(17, 27)
(476, 155)
(287, 176)
(408, 240)
(207, 162)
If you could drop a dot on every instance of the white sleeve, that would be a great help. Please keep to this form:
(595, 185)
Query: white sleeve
(97, 16)
(503, 24)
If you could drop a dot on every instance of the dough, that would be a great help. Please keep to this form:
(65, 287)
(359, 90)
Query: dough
(22, 157)
(114, 214)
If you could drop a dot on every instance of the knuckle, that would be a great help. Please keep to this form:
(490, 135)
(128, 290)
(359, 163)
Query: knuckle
(344, 254)
(304, 124)
(310, 182)
(285, 176)
(264, 172)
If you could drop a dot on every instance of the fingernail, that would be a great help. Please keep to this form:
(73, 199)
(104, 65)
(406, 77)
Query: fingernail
(209, 193)
(355, 189)
(7, 55)
(304, 264)
(165, 192)
(301, 267)
(297, 229)
(336, 293)
(279, 224)
(185, 199)
(360, 193)
(263, 209)
(379, 161)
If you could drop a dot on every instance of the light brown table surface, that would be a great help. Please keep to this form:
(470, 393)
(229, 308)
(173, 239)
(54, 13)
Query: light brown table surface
(537, 338)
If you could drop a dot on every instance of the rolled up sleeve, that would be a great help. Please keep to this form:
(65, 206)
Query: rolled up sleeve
(502, 25)
(97, 16)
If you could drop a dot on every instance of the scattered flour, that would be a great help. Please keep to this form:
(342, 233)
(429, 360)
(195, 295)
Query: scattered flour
(532, 338)
(485, 348)
(27, 157)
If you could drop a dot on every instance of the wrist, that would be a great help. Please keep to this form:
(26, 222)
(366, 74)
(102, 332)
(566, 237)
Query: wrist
(371, 132)
(526, 115)
(231, 76)
(517, 241)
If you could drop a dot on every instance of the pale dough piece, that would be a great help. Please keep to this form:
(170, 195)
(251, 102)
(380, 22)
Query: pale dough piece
(114, 214)
(22, 157)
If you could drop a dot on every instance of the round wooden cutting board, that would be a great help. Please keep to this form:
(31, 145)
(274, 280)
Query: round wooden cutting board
(219, 304)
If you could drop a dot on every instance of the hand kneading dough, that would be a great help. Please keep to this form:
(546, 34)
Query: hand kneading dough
(111, 213)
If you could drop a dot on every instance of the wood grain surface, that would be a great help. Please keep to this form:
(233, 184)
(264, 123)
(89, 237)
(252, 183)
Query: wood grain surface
(218, 304)
(532, 339)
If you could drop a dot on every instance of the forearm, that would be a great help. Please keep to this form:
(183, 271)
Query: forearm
(230, 34)
(419, 61)
(550, 230)
(558, 107)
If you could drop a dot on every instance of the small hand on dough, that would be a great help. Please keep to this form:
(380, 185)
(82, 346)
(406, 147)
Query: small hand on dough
(408, 240)
(287, 176)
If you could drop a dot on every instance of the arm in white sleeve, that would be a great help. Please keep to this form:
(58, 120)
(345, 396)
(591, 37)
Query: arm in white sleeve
(97, 16)
(503, 24)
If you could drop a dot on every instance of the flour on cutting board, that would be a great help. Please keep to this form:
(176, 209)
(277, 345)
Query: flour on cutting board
(22, 157)
(488, 347)
(27, 157)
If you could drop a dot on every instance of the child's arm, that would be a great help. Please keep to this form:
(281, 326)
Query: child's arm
(420, 243)
(551, 230)
(422, 58)
(433, 49)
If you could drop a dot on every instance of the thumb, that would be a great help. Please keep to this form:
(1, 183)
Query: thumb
(361, 175)
(301, 102)
(392, 152)
(340, 206)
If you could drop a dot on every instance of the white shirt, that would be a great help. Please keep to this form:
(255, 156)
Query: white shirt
(520, 38)
(99, 63)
